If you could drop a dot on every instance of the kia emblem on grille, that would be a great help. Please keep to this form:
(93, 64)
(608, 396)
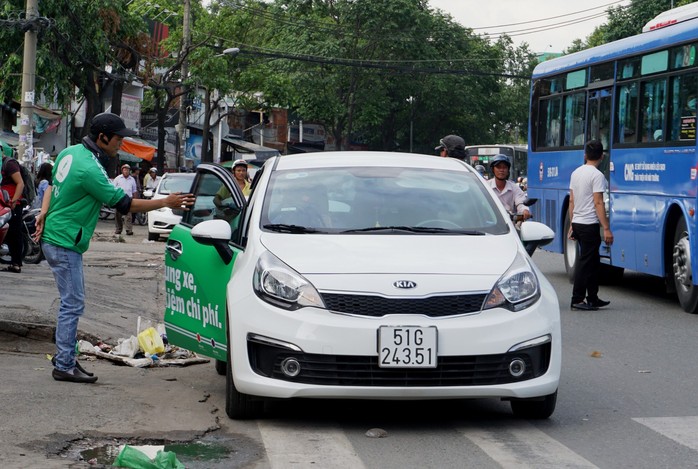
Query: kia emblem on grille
(404, 284)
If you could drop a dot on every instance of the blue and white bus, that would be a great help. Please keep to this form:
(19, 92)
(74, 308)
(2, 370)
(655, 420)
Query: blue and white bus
(637, 96)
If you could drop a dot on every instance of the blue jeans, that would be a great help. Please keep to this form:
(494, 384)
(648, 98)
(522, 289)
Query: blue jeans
(66, 266)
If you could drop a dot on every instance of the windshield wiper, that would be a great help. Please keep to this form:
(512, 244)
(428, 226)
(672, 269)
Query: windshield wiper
(416, 229)
(284, 228)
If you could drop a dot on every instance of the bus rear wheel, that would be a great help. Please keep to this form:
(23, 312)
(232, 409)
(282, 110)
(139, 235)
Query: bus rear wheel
(682, 270)
(571, 250)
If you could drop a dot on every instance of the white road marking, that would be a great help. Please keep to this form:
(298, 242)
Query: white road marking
(311, 447)
(680, 429)
(521, 445)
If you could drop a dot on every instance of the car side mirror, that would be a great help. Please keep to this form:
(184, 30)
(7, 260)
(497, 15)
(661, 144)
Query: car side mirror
(216, 233)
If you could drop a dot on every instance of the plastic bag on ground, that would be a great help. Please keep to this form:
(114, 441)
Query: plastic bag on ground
(133, 458)
(127, 347)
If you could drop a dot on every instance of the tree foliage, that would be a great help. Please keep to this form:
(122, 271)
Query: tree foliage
(625, 21)
(367, 70)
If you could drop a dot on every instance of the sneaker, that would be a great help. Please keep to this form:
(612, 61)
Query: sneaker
(583, 306)
(117, 232)
(598, 303)
(72, 376)
(129, 233)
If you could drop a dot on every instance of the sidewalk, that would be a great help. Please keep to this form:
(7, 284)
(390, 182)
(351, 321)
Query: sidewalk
(123, 280)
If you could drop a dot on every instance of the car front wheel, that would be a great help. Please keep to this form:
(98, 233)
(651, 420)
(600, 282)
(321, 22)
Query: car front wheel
(239, 406)
(537, 408)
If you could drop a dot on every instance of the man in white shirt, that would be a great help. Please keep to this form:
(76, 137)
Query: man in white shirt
(587, 215)
(151, 180)
(126, 182)
(509, 193)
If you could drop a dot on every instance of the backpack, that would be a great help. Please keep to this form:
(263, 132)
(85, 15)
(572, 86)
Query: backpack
(29, 191)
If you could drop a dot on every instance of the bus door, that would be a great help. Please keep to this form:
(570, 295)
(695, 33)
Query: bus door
(599, 128)
(599, 123)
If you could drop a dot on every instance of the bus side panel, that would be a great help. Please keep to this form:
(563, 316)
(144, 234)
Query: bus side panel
(549, 181)
(649, 234)
(547, 210)
(622, 219)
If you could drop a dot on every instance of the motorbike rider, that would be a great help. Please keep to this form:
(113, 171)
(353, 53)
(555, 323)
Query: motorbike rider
(509, 193)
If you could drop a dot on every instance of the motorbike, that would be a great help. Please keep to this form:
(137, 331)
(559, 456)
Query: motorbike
(33, 254)
(5, 215)
(106, 213)
(142, 217)
(518, 219)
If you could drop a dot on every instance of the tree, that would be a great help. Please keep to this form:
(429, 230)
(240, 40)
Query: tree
(625, 21)
(76, 40)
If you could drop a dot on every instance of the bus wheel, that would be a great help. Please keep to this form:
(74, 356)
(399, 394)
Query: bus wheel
(571, 250)
(683, 271)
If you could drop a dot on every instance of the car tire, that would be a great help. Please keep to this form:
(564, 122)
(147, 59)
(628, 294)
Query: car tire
(239, 406)
(536, 408)
(221, 367)
(153, 236)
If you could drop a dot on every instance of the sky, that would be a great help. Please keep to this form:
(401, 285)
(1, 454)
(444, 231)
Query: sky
(554, 33)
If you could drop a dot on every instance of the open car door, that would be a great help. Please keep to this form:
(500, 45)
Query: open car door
(198, 265)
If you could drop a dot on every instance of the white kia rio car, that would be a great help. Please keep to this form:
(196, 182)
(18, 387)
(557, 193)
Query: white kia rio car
(162, 220)
(363, 275)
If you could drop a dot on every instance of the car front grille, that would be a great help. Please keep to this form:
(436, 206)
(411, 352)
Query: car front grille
(377, 306)
(351, 370)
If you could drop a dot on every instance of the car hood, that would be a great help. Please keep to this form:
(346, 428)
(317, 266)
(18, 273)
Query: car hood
(389, 254)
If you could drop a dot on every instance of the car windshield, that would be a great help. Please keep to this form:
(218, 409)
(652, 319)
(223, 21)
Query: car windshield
(178, 183)
(380, 200)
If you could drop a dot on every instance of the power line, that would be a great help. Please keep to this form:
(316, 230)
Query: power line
(549, 18)
(521, 32)
(376, 65)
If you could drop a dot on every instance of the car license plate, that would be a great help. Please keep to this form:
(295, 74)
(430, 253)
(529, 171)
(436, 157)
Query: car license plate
(407, 347)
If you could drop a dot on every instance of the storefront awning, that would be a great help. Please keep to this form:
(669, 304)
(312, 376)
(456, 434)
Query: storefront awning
(138, 148)
(248, 150)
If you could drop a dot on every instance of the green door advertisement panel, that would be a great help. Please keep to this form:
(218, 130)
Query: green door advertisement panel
(195, 287)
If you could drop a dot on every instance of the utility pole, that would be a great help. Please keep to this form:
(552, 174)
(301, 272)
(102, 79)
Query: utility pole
(182, 126)
(26, 134)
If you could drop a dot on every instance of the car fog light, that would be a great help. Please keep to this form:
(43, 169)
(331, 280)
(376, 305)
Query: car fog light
(517, 367)
(290, 367)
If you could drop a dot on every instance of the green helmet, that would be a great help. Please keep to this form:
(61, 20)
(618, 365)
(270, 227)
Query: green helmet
(5, 149)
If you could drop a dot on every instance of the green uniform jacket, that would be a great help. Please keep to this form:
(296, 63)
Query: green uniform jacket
(80, 187)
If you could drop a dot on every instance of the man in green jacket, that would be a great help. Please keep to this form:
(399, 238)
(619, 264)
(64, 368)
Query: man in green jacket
(69, 213)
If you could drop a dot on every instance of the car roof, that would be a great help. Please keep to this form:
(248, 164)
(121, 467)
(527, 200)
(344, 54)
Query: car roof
(368, 159)
(179, 175)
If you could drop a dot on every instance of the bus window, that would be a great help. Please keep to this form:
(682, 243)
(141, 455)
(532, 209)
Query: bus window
(653, 106)
(575, 106)
(601, 72)
(627, 114)
(682, 109)
(683, 56)
(549, 122)
(654, 63)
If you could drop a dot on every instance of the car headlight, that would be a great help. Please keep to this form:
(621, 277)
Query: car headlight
(516, 289)
(280, 285)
